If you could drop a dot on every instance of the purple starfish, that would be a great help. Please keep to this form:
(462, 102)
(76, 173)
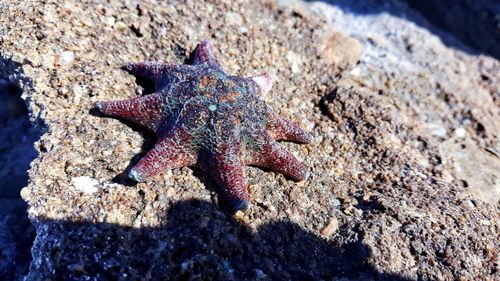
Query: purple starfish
(206, 118)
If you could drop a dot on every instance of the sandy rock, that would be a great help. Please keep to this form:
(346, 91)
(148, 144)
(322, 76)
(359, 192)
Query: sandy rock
(374, 164)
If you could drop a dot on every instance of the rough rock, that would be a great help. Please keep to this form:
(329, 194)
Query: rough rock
(381, 103)
(445, 94)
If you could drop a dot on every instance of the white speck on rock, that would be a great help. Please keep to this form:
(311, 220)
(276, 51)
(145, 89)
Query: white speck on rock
(437, 130)
(85, 184)
(460, 132)
(310, 125)
(356, 71)
(78, 92)
(294, 60)
(244, 29)
(65, 58)
(234, 19)
(110, 21)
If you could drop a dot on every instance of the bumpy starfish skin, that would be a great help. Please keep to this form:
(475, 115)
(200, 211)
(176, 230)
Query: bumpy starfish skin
(206, 118)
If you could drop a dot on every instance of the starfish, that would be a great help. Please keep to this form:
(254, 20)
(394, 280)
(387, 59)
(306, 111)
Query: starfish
(207, 118)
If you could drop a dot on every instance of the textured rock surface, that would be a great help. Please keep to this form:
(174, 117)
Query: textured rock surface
(385, 197)
(444, 95)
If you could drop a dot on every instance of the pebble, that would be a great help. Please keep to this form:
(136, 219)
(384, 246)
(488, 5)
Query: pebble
(85, 184)
(120, 26)
(294, 61)
(460, 132)
(78, 92)
(65, 58)
(259, 274)
(331, 227)
(234, 19)
(110, 21)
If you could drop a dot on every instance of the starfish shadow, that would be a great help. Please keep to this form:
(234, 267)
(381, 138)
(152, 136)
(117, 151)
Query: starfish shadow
(147, 145)
(147, 85)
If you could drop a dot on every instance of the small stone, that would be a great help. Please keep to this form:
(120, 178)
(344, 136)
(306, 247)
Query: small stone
(294, 61)
(460, 132)
(186, 265)
(78, 92)
(341, 50)
(76, 267)
(120, 26)
(244, 29)
(234, 19)
(65, 58)
(367, 196)
(25, 193)
(331, 227)
(259, 274)
(350, 210)
(437, 129)
(85, 184)
(239, 215)
(110, 21)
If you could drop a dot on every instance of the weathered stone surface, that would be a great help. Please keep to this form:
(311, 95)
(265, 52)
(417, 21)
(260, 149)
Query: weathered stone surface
(377, 163)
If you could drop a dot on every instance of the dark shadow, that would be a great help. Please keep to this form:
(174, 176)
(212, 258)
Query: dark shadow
(17, 138)
(323, 103)
(147, 85)
(217, 195)
(476, 23)
(198, 242)
(471, 26)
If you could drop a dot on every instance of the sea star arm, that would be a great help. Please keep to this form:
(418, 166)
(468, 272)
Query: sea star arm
(274, 157)
(205, 54)
(228, 171)
(143, 110)
(283, 129)
(169, 152)
(160, 74)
